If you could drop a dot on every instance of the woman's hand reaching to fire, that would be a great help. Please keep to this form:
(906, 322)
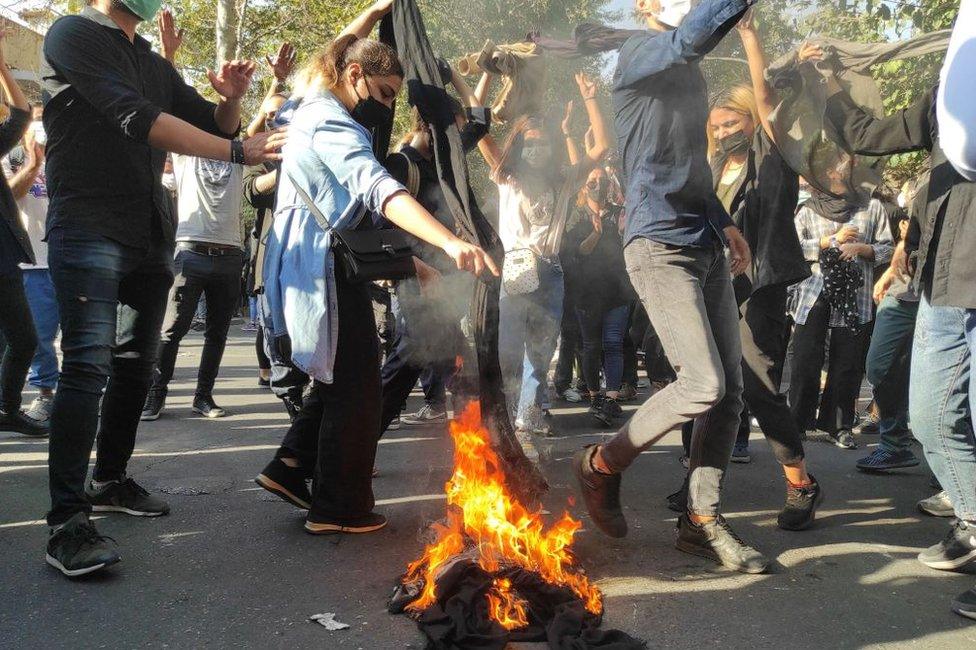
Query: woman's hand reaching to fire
(469, 257)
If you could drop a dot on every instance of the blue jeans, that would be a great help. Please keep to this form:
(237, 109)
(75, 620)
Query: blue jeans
(112, 300)
(44, 309)
(528, 327)
(889, 359)
(603, 336)
(941, 397)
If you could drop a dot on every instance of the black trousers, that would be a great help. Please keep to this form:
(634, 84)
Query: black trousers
(218, 278)
(17, 329)
(568, 358)
(845, 369)
(342, 447)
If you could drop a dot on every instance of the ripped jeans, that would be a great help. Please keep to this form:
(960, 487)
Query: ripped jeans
(112, 299)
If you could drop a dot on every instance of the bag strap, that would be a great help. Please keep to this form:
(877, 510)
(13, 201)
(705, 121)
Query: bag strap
(316, 212)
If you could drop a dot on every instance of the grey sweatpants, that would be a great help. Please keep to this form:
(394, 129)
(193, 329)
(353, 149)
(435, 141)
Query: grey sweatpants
(688, 295)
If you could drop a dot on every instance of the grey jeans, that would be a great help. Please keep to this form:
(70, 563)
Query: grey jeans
(688, 295)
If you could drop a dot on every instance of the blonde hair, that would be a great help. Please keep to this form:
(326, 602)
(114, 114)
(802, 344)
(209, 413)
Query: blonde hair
(738, 99)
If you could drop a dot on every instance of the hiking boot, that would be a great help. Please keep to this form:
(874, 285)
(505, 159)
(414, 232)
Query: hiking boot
(843, 439)
(881, 460)
(40, 409)
(801, 506)
(155, 401)
(740, 453)
(18, 422)
(965, 604)
(321, 525)
(627, 392)
(937, 505)
(715, 540)
(125, 496)
(601, 494)
(956, 550)
(678, 501)
(286, 482)
(426, 415)
(206, 406)
(76, 548)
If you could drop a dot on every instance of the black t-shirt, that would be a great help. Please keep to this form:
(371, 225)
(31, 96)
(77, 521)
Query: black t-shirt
(598, 280)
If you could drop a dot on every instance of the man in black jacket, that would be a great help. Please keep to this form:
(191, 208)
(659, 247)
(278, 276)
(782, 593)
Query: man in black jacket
(111, 239)
(944, 270)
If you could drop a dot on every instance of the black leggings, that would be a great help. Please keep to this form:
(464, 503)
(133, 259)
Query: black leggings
(17, 329)
(264, 363)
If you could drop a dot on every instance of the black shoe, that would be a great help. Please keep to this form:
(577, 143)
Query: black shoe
(17, 422)
(956, 550)
(678, 501)
(843, 439)
(801, 506)
(613, 407)
(285, 482)
(125, 496)
(264, 383)
(881, 460)
(205, 406)
(155, 401)
(715, 540)
(601, 494)
(965, 604)
(319, 525)
(76, 548)
(604, 410)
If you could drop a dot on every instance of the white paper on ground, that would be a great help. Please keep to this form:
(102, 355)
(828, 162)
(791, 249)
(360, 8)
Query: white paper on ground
(328, 621)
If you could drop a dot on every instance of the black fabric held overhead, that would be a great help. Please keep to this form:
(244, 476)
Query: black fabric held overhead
(404, 29)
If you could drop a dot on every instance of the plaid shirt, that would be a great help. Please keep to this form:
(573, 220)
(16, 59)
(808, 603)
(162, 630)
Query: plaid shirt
(872, 224)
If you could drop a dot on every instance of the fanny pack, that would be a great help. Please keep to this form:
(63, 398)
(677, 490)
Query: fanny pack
(366, 255)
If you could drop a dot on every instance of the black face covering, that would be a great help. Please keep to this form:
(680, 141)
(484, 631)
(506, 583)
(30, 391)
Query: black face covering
(734, 143)
(369, 111)
(598, 190)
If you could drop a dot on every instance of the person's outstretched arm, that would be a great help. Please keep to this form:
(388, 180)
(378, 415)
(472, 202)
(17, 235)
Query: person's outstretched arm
(12, 130)
(363, 24)
(601, 138)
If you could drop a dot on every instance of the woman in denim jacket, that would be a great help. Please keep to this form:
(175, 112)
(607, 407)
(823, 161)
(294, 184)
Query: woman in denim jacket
(352, 86)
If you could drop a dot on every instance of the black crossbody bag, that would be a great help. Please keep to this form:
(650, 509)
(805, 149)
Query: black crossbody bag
(367, 255)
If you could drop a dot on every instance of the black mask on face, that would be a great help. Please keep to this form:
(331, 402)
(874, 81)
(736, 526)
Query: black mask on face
(597, 189)
(369, 111)
(734, 143)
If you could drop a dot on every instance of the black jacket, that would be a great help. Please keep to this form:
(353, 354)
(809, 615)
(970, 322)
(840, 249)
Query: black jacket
(11, 131)
(946, 230)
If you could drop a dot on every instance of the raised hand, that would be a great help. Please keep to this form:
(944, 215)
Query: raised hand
(809, 52)
(282, 63)
(170, 38)
(233, 80)
(568, 117)
(748, 21)
(587, 86)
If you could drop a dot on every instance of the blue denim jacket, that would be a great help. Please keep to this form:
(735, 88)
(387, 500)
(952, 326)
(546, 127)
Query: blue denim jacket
(661, 111)
(330, 155)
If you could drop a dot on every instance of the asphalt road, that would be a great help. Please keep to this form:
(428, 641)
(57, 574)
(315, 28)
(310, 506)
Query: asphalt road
(232, 567)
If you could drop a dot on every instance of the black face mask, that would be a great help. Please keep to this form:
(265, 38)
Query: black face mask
(734, 143)
(598, 190)
(369, 111)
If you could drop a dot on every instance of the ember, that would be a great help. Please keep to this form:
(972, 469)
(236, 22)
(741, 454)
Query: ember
(485, 520)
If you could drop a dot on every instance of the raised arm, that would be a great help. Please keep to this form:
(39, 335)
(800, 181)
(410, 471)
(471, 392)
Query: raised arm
(13, 128)
(22, 180)
(572, 151)
(756, 56)
(489, 149)
(364, 23)
(601, 138)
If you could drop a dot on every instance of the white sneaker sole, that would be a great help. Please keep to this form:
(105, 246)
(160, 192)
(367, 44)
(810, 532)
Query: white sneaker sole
(281, 492)
(128, 511)
(950, 565)
(212, 415)
(77, 572)
(149, 418)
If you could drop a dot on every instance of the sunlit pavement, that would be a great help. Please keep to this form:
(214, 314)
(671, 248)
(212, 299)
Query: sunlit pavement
(232, 567)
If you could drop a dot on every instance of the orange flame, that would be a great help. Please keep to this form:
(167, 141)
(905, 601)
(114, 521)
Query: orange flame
(500, 529)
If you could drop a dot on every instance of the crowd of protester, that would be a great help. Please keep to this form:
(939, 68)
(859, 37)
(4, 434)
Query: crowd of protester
(692, 250)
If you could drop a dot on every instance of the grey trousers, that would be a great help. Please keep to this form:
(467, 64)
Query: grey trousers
(688, 295)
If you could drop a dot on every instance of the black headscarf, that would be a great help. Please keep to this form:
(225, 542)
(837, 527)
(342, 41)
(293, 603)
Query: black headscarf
(830, 207)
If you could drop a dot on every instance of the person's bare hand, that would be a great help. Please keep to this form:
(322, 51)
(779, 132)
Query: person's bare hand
(383, 7)
(469, 257)
(748, 21)
(233, 80)
(846, 234)
(882, 285)
(170, 38)
(851, 251)
(900, 263)
(740, 257)
(809, 52)
(597, 224)
(33, 152)
(568, 117)
(264, 146)
(282, 63)
(587, 86)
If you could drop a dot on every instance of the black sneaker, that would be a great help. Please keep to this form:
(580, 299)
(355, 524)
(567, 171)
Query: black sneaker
(882, 460)
(678, 501)
(965, 604)
(205, 406)
(286, 482)
(843, 439)
(604, 410)
(17, 422)
(613, 407)
(801, 506)
(601, 494)
(319, 525)
(715, 540)
(956, 550)
(125, 496)
(155, 401)
(76, 548)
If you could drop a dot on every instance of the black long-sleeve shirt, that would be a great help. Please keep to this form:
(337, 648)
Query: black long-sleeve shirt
(102, 95)
(15, 246)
